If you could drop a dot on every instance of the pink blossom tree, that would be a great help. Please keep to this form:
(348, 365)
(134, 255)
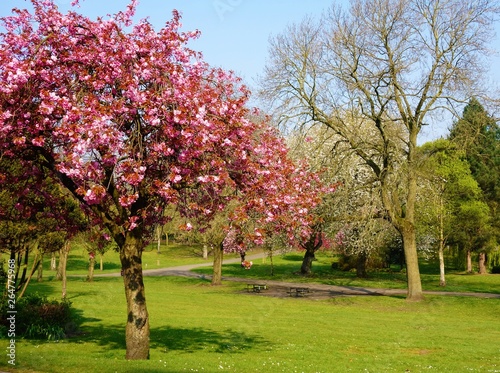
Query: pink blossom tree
(131, 121)
(281, 207)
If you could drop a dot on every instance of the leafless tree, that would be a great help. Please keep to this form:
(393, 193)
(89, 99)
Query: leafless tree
(391, 65)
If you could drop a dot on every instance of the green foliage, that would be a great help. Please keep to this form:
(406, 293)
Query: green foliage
(453, 197)
(477, 134)
(40, 318)
(494, 261)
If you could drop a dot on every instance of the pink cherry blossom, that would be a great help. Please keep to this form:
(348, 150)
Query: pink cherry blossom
(131, 121)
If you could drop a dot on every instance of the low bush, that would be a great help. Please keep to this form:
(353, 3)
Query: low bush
(40, 318)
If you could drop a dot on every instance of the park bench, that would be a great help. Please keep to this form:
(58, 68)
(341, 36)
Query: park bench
(256, 288)
(298, 292)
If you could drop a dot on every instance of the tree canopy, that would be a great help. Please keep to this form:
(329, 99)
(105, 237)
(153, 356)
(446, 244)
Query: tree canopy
(130, 120)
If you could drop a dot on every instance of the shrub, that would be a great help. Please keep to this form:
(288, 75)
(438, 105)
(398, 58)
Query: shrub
(40, 318)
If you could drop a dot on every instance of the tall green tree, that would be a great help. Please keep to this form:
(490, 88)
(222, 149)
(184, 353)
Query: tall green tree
(477, 133)
(451, 204)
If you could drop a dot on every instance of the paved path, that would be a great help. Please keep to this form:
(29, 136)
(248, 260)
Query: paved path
(186, 271)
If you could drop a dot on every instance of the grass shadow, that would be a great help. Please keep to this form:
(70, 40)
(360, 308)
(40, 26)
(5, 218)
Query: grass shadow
(293, 257)
(189, 340)
(194, 339)
(79, 265)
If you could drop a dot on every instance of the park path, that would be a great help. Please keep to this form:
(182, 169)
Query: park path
(186, 271)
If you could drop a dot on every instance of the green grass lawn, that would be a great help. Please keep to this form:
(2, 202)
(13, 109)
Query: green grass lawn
(199, 328)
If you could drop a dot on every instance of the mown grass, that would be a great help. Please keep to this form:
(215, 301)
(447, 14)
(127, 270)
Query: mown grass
(287, 266)
(199, 328)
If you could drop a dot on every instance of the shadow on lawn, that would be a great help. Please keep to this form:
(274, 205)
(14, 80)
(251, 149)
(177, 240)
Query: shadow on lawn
(173, 339)
(194, 339)
(78, 264)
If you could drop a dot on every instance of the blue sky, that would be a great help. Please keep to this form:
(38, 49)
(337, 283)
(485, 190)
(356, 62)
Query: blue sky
(235, 33)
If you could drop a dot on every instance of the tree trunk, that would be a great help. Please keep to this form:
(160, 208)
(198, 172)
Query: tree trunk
(311, 246)
(362, 258)
(137, 328)
(101, 262)
(205, 251)
(482, 263)
(36, 263)
(403, 219)
(412, 270)
(442, 280)
(159, 232)
(469, 261)
(39, 276)
(63, 260)
(22, 281)
(217, 269)
(270, 255)
(61, 266)
(309, 257)
(90, 276)
(53, 262)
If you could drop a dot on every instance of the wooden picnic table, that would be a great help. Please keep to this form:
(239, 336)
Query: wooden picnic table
(256, 288)
(298, 291)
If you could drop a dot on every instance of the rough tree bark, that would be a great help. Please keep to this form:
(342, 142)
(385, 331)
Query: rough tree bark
(137, 327)
(90, 276)
(311, 246)
(53, 261)
(361, 260)
(306, 266)
(39, 277)
(415, 292)
(469, 261)
(482, 263)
